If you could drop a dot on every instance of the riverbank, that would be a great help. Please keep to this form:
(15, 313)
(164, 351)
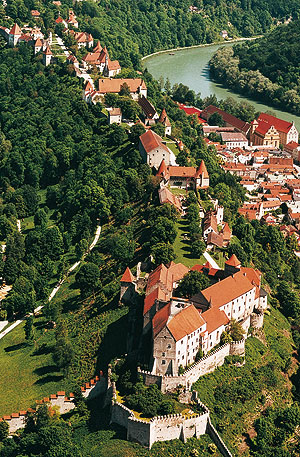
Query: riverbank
(205, 45)
(190, 67)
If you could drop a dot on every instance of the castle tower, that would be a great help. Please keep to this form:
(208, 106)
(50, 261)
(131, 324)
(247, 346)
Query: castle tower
(38, 45)
(127, 286)
(47, 56)
(232, 265)
(164, 120)
(14, 35)
(202, 176)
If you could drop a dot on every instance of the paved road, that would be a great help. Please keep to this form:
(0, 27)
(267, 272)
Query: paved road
(211, 260)
(58, 286)
(61, 44)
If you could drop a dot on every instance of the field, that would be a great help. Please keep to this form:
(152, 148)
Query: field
(182, 246)
(27, 373)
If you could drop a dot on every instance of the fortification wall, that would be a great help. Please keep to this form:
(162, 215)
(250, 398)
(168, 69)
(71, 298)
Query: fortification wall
(207, 364)
(64, 403)
(257, 320)
(140, 432)
(150, 378)
(237, 347)
(120, 414)
(170, 382)
(212, 432)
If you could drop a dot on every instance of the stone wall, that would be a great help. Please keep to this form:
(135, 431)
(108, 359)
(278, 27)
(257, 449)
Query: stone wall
(257, 320)
(204, 366)
(207, 364)
(212, 432)
(161, 428)
(64, 403)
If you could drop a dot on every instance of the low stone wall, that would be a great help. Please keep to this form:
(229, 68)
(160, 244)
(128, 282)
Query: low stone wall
(64, 403)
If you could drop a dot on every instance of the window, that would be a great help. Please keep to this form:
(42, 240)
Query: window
(163, 362)
(181, 341)
(188, 337)
(169, 346)
(182, 357)
(164, 354)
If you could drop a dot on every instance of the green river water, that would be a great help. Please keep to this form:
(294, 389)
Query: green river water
(190, 67)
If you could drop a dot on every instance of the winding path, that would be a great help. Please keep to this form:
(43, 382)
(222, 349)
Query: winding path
(58, 286)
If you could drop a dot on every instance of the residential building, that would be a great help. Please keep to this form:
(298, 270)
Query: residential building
(149, 112)
(83, 39)
(115, 116)
(234, 140)
(47, 56)
(154, 151)
(137, 87)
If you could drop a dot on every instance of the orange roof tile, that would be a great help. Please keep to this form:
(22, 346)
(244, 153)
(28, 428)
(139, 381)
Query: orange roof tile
(163, 118)
(160, 319)
(15, 30)
(178, 270)
(214, 319)
(202, 170)
(156, 294)
(127, 276)
(185, 322)
(109, 85)
(233, 261)
(150, 140)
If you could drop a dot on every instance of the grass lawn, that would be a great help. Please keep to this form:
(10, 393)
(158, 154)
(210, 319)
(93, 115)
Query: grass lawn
(182, 247)
(176, 191)
(27, 374)
(218, 256)
(173, 148)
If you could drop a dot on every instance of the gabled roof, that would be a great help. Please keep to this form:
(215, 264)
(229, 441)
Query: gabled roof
(226, 231)
(166, 196)
(233, 261)
(147, 107)
(47, 51)
(38, 43)
(127, 276)
(113, 65)
(279, 124)
(15, 30)
(150, 140)
(163, 170)
(156, 294)
(98, 47)
(215, 238)
(228, 118)
(185, 322)
(224, 291)
(110, 85)
(160, 275)
(214, 319)
(160, 319)
(178, 270)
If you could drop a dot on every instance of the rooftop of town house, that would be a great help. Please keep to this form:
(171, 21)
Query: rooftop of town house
(147, 107)
(156, 294)
(228, 118)
(279, 124)
(233, 261)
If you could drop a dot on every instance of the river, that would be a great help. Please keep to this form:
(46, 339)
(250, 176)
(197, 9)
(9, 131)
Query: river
(190, 67)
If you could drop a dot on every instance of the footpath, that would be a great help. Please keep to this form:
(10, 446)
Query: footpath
(58, 286)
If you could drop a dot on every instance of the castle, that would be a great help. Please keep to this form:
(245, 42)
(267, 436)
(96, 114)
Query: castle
(181, 328)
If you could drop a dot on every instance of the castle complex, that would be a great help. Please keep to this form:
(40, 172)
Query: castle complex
(181, 328)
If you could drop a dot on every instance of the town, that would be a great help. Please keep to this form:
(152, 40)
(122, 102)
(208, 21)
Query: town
(185, 299)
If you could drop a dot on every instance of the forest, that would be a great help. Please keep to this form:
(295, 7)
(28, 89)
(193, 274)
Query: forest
(266, 69)
(134, 29)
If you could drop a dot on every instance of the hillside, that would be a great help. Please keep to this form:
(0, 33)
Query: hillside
(267, 69)
(133, 29)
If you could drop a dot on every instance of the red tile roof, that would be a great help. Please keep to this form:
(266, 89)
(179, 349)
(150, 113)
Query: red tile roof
(160, 319)
(150, 140)
(156, 294)
(110, 85)
(15, 30)
(279, 124)
(214, 319)
(164, 118)
(202, 170)
(185, 322)
(228, 118)
(127, 276)
(233, 261)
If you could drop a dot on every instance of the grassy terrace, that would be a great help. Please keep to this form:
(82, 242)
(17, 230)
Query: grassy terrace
(26, 372)
(182, 247)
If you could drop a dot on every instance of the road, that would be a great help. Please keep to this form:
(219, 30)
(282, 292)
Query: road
(61, 44)
(211, 260)
(58, 286)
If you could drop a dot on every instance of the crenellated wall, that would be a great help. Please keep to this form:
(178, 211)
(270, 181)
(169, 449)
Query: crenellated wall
(204, 366)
